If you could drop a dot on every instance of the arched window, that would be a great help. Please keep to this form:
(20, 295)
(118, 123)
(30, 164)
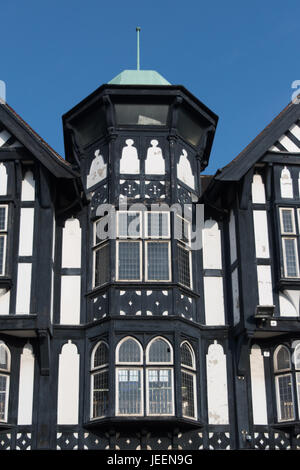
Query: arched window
(159, 380)
(4, 380)
(99, 378)
(129, 379)
(284, 384)
(188, 381)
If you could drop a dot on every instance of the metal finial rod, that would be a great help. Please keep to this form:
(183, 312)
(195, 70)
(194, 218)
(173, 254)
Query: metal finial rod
(138, 48)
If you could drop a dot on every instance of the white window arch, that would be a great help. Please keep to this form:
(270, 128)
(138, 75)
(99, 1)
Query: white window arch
(188, 381)
(129, 379)
(99, 380)
(5, 360)
(159, 377)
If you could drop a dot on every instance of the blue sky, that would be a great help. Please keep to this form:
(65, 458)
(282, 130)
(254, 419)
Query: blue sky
(239, 58)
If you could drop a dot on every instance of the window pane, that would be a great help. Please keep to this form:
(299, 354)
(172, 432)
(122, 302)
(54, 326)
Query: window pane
(129, 261)
(297, 357)
(158, 224)
(160, 391)
(129, 391)
(287, 220)
(290, 253)
(184, 276)
(100, 394)
(183, 230)
(159, 351)
(101, 229)
(285, 396)
(3, 358)
(2, 218)
(129, 224)
(101, 355)
(283, 361)
(129, 351)
(186, 355)
(189, 127)
(3, 396)
(158, 261)
(102, 265)
(141, 114)
(187, 391)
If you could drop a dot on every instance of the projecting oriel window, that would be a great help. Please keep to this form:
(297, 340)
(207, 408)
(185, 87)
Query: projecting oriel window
(143, 250)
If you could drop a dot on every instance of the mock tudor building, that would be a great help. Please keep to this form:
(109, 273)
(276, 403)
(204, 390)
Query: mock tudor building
(115, 340)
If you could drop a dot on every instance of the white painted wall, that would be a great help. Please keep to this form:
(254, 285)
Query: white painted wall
(4, 301)
(98, 170)
(261, 234)
(70, 300)
(214, 301)
(217, 391)
(3, 180)
(258, 386)
(265, 291)
(28, 187)
(232, 237)
(26, 384)
(68, 385)
(211, 239)
(258, 190)
(26, 231)
(71, 244)
(286, 184)
(235, 296)
(23, 288)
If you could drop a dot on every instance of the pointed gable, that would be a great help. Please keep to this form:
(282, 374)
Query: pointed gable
(282, 135)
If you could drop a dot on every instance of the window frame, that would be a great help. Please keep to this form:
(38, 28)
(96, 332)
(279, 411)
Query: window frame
(6, 373)
(103, 368)
(118, 262)
(159, 368)
(153, 363)
(117, 401)
(189, 370)
(146, 262)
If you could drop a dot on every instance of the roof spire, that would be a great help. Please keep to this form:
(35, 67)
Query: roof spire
(138, 48)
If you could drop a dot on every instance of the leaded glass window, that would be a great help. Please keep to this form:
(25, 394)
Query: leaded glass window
(188, 381)
(99, 376)
(3, 238)
(4, 380)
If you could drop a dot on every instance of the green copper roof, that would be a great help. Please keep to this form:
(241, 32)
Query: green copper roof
(139, 77)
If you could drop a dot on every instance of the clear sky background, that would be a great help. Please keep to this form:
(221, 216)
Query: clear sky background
(240, 58)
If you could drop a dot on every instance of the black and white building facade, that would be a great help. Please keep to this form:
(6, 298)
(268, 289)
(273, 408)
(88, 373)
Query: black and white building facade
(140, 341)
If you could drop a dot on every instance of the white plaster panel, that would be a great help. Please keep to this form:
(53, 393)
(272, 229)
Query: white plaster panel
(217, 392)
(70, 300)
(26, 384)
(258, 386)
(98, 170)
(289, 301)
(232, 237)
(129, 162)
(68, 385)
(295, 130)
(26, 231)
(4, 136)
(23, 288)
(3, 180)
(211, 238)
(258, 190)
(155, 163)
(235, 296)
(261, 234)
(71, 244)
(286, 184)
(214, 301)
(184, 170)
(4, 301)
(288, 144)
(28, 187)
(265, 291)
